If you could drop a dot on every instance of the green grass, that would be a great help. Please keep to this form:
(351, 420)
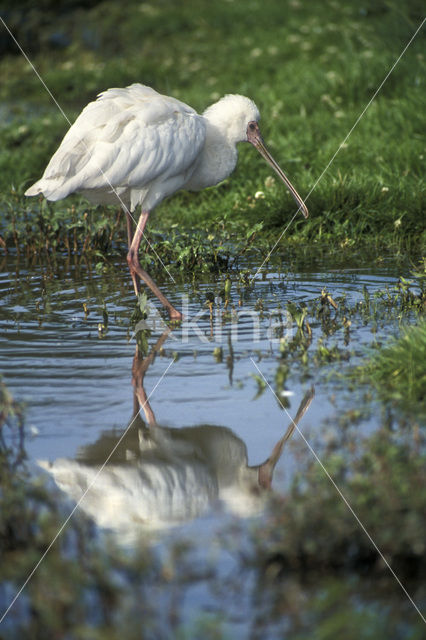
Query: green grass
(311, 69)
(398, 371)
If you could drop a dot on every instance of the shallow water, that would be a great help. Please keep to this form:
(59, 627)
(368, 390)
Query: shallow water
(190, 465)
(77, 386)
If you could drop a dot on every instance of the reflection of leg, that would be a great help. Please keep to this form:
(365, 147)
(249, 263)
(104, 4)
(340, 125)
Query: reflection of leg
(135, 267)
(140, 399)
(139, 368)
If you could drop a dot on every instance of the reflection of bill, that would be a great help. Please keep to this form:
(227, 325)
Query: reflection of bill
(159, 477)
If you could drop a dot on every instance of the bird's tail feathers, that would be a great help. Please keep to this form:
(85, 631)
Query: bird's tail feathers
(34, 190)
(51, 191)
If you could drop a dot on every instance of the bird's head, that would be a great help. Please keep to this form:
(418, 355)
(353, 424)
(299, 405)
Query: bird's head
(237, 117)
(231, 115)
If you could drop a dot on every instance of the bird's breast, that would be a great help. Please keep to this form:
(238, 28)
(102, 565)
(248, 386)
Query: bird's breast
(216, 162)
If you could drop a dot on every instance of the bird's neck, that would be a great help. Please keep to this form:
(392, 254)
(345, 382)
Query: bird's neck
(216, 161)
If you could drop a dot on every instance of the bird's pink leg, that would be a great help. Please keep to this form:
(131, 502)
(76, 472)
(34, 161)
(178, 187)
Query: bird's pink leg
(129, 228)
(129, 221)
(136, 269)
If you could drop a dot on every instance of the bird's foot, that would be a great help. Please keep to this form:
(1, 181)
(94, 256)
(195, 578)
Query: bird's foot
(175, 315)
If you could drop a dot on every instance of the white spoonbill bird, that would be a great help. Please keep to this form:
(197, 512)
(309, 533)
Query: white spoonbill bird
(136, 147)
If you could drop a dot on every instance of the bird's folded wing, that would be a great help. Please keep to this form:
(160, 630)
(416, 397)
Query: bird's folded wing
(126, 138)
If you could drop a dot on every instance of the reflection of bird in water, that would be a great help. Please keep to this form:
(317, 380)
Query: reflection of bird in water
(137, 147)
(158, 476)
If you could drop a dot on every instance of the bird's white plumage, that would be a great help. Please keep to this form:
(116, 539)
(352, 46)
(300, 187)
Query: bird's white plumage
(137, 146)
(131, 141)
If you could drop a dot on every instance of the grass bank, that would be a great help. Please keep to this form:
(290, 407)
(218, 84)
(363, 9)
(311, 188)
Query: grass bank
(311, 68)
(397, 370)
